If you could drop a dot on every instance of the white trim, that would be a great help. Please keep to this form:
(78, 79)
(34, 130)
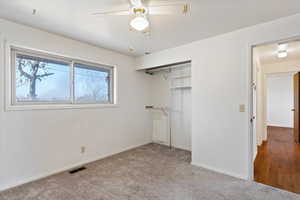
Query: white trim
(8, 73)
(254, 157)
(54, 54)
(72, 85)
(57, 106)
(115, 85)
(279, 125)
(8, 86)
(249, 80)
(220, 171)
(69, 167)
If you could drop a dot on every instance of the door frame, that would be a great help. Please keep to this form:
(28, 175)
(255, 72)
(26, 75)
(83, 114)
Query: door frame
(251, 95)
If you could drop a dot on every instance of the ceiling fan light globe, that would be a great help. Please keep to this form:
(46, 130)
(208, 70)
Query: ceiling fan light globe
(139, 23)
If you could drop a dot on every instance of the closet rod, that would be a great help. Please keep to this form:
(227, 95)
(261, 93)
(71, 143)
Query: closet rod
(165, 67)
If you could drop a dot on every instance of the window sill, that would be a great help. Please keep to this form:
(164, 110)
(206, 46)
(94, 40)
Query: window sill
(58, 107)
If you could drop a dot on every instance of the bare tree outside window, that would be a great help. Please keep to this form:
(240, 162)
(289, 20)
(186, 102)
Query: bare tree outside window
(39, 79)
(91, 84)
(30, 72)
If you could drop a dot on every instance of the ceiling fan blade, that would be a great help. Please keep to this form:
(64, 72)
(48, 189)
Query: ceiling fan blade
(164, 2)
(113, 12)
(136, 3)
(171, 9)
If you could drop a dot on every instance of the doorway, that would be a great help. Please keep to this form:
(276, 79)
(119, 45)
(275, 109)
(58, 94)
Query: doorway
(276, 148)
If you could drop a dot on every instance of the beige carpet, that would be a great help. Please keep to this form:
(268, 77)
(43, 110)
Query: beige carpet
(151, 172)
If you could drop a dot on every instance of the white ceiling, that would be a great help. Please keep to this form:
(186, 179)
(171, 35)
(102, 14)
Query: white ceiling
(73, 18)
(268, 53)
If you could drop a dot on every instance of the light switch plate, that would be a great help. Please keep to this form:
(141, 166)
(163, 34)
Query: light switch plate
(242, 108)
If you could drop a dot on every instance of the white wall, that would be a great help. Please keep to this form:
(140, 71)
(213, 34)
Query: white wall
(261, 112)
(220, 81)
(37, 143)
(289, 65)
(280, 100)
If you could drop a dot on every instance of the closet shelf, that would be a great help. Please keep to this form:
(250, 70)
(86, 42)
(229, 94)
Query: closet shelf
(182, 76)
(181, 87)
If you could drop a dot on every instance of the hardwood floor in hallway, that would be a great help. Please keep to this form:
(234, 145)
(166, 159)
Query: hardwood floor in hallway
(278, 160)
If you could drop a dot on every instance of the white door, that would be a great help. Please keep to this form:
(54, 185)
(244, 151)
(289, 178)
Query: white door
(181, 108)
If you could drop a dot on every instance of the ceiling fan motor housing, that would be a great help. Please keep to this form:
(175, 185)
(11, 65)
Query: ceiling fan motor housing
(139, 10)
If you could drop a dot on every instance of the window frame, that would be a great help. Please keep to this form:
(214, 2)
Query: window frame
(11, 100)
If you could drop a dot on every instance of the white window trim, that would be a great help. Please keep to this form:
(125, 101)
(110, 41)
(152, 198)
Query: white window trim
(9, 106)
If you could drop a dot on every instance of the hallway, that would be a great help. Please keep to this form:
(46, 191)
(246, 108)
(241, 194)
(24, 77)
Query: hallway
(278, 160)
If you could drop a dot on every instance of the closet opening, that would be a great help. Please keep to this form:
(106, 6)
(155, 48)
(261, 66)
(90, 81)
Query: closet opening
(170, 105)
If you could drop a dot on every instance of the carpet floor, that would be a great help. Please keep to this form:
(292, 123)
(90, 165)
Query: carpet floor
(150, 172)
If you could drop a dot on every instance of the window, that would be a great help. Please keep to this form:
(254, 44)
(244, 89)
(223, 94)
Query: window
(41, 80)
(91, 84)
(38, 78)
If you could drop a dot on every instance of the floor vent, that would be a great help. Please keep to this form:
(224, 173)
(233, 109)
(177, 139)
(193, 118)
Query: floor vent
(73, 171)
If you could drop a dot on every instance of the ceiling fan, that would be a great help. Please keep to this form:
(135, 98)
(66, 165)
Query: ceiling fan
(141, 9)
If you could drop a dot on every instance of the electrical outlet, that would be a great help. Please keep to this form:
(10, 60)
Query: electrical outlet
(83, 149)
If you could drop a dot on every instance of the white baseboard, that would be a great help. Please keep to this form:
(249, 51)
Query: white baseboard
(254, 154)
(220, 171)
(280, 125)
(66, 168)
